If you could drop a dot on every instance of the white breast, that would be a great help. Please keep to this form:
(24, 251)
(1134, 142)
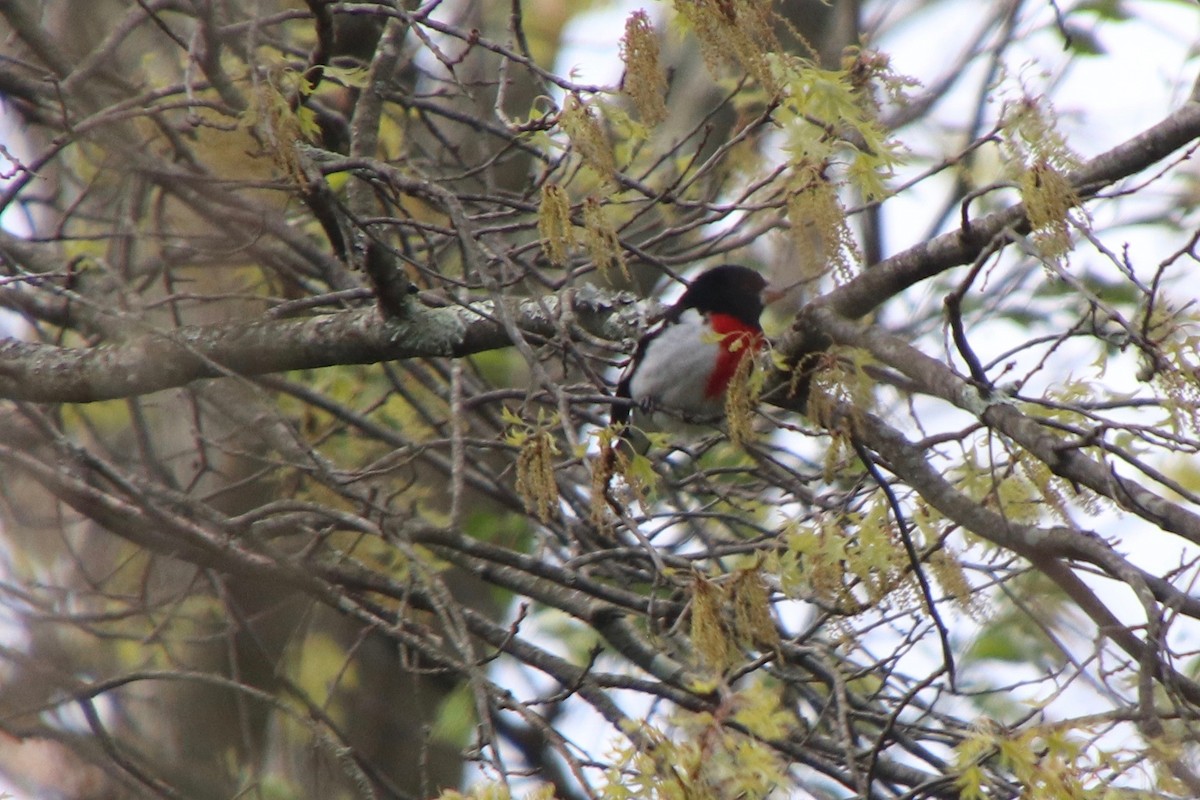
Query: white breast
(675, 369)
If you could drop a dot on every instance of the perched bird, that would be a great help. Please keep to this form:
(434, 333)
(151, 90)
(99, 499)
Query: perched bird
(682, 368)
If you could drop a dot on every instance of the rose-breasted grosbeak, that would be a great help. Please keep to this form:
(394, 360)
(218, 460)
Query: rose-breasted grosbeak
(681, 368)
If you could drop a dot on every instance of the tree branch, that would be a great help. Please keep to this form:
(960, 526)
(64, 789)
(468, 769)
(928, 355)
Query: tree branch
(891, 276)
(156, 360)
(1065, 458)
(1045, 548)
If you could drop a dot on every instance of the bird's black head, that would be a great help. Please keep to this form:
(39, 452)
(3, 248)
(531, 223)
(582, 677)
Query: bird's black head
(728, 289)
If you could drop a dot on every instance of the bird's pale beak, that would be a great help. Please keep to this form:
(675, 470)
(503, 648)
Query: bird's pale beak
(773, 294)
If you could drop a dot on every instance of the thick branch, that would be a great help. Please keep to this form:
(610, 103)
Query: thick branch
(1045, 548)
(893, 275)
(1064, 457)
(155, 360)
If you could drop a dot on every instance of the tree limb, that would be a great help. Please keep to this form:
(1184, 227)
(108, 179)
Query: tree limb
(891, 276)
(154, 360)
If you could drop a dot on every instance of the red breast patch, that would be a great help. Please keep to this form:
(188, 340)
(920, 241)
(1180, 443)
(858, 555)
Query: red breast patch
(738, 340)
